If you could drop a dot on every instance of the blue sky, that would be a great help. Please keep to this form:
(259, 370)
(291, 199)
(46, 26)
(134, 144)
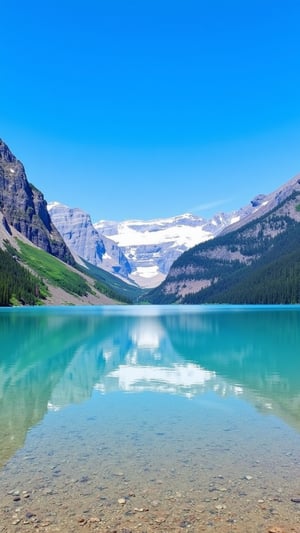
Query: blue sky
(144, 109)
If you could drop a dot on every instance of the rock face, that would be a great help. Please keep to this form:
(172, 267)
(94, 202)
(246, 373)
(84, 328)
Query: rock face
(82, 238)
(24, 207)
(264, 203)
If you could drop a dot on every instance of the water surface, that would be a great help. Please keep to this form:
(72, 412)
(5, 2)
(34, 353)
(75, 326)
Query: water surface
(150, 419)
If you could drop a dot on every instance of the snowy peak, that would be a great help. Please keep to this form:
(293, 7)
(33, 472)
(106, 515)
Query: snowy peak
(184, 228)
(152, 246)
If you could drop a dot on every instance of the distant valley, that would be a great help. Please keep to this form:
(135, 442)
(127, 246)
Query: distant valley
(54, 254)
(141, 251)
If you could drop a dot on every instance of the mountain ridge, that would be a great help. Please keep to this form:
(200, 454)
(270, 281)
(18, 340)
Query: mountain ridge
(228, 269)
(151, 246)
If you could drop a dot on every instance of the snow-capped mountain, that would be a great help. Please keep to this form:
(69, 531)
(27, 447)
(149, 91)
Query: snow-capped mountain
(141, 251)
(152, 246)
(78, 232)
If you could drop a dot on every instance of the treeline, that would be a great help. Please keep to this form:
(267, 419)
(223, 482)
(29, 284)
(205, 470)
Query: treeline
(278, 283)
(17, 284)
(111, 293)
(110, 285)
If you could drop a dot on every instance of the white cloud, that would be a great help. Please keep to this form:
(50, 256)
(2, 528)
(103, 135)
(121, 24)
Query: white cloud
(209, 205)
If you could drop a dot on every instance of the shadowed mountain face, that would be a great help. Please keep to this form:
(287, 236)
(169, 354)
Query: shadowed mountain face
(24, 207)
(51, 359)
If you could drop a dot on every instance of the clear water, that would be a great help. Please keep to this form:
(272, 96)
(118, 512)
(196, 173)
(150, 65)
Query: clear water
(150, 419)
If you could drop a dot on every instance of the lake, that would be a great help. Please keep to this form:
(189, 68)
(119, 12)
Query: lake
(150, 419)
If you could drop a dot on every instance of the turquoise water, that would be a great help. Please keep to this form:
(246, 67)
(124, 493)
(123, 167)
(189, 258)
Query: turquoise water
(150, 419)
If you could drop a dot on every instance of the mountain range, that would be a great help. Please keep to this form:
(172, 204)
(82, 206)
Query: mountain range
(54, 254)
(140, 251)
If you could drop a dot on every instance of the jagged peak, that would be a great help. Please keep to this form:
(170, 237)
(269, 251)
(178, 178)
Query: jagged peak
(51, 205)
(5, 153)
(65, 208)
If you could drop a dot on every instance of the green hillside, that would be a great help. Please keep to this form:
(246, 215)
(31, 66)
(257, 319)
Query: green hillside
(111, 285)
(53, 270)
(17, 285)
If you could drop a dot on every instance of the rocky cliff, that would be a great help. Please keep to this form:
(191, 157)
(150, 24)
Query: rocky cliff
(82, 238)
(24, 207)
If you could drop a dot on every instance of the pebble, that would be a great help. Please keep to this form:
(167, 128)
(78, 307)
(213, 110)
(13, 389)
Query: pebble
(160, 519)
(295, 500)
(48, 492)
(121, 501)
(248, 478)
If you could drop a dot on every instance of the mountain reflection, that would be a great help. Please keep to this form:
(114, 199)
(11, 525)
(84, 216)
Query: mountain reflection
(53, 358)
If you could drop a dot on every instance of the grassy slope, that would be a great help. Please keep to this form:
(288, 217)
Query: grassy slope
(111, 285)
(53, 270)
(17, 284)
(58, 274)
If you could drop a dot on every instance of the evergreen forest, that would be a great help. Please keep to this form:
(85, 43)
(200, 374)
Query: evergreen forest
(17, 284)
